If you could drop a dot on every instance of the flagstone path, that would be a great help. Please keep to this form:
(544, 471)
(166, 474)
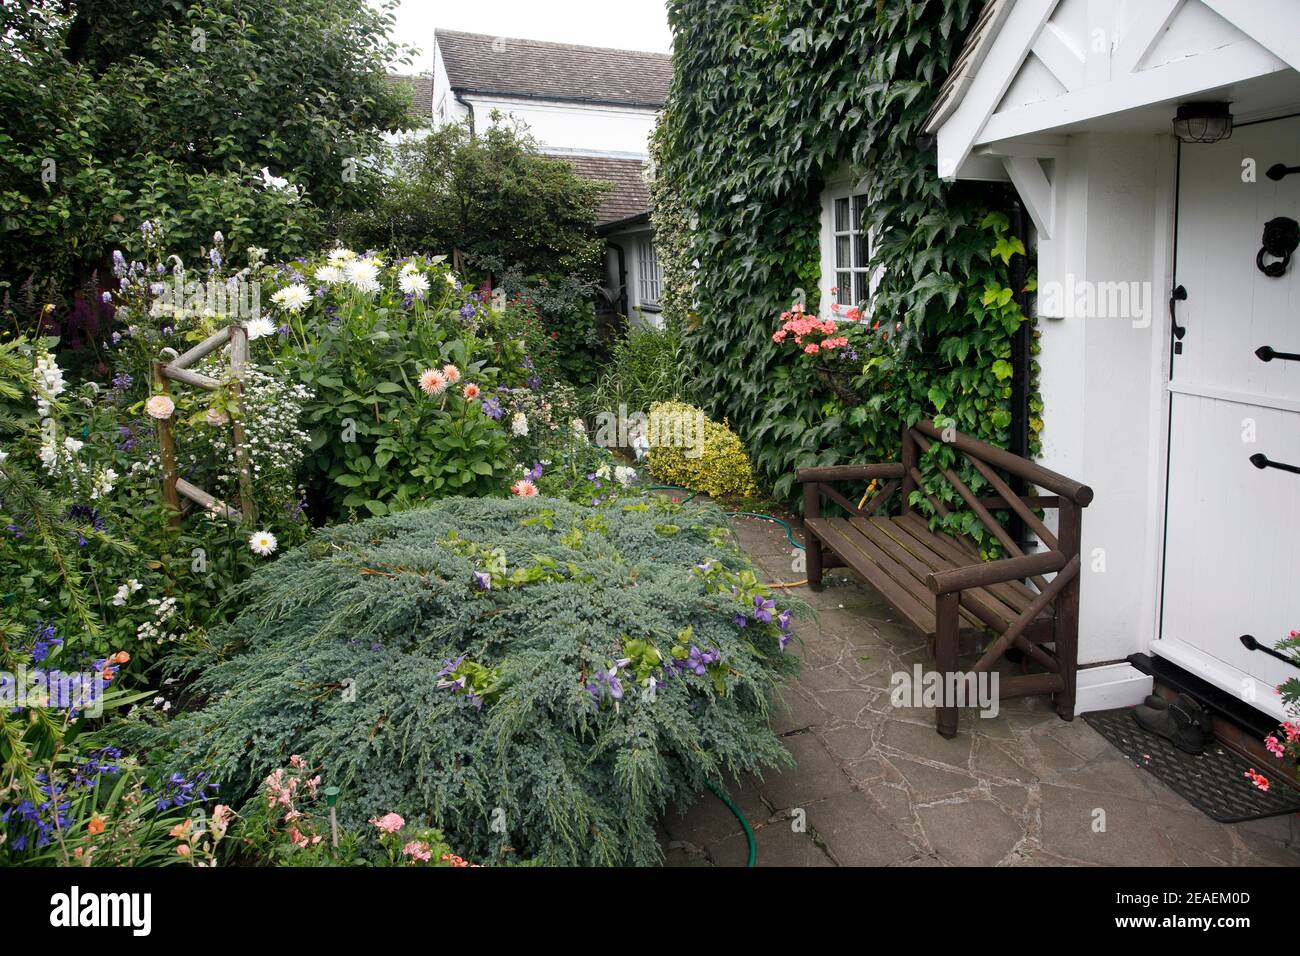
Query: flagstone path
(874, 785)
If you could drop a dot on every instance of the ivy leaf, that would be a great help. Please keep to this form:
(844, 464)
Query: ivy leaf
(1002, 369)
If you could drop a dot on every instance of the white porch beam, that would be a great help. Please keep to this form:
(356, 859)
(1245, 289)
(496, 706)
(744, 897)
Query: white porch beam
(1035, 191)
(1060, 57)
(1274, 26)
(958, 133)
(1235, 63)
(1153, 18)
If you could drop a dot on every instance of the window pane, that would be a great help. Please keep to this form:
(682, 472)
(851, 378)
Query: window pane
(859, 209)
(860, 252)
(842, 215)
(844, 293)
(859, 287)
(843, 256)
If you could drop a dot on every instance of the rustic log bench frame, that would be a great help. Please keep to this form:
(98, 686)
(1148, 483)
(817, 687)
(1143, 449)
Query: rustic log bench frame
(899, 555)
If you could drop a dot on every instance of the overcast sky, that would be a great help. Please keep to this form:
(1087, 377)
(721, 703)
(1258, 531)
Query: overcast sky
(625, 24)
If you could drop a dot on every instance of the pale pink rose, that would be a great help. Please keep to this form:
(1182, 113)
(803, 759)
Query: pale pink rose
(160, 407)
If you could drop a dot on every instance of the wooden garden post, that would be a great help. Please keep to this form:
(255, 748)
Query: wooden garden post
(238, 359)
(167, 449)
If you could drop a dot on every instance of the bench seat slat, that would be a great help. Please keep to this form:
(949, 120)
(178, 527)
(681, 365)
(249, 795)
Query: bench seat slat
(920, 560)
(833, 534)
(1014, 593)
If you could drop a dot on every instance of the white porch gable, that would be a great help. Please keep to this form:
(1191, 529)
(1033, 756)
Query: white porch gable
(1051, 66)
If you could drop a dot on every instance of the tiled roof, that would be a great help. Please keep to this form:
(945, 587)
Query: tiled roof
(630, 196)
(556, 71)
(421, 89)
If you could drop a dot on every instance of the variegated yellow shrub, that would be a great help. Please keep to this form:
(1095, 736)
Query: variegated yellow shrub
(688, 450)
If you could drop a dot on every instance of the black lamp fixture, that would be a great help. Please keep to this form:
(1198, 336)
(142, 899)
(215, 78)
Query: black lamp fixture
(1203, 122)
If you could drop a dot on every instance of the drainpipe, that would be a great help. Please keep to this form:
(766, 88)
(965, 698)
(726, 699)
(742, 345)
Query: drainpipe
(469, 106)
(1020, 363)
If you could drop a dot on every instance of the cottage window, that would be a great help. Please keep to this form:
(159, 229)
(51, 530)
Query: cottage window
(651, 277)
(850, 251)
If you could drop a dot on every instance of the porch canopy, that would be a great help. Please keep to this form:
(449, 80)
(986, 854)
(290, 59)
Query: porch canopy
(1034, 71)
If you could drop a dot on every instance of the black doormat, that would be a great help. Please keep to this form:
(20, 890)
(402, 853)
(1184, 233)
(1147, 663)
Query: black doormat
(1214, 782)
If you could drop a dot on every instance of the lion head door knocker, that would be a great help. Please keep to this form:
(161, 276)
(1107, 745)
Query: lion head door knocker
(1281, 237)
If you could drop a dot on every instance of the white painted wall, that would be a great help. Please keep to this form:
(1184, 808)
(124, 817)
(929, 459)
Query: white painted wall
(610, 130)
(1102, 379)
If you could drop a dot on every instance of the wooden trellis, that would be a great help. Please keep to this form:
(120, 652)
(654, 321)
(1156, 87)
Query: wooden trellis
(178, 370)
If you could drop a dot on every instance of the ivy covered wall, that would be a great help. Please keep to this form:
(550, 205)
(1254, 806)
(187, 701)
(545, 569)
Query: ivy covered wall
(769, 98)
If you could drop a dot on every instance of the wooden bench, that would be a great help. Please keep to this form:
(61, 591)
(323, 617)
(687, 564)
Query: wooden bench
(940, 583)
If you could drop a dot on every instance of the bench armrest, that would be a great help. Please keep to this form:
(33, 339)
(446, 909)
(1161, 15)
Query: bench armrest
(994, 572)
(850, 472)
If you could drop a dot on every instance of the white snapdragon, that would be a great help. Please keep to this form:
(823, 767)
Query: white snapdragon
(104, 484)
(125, 591)
(519, 424)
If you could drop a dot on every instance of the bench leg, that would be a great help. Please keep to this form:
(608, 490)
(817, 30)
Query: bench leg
(947, 633)
(812, 547)
(1066, 628)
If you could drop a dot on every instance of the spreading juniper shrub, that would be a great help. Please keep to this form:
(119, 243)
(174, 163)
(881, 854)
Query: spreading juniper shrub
(536, 678)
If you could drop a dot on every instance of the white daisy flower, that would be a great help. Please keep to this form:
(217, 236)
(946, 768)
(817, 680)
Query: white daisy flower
(329, 275)
(363, 274)
(263, 543)
(413, 283)
(259, 327)
(294, 297)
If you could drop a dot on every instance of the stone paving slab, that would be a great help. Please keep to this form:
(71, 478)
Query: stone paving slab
(874, 785)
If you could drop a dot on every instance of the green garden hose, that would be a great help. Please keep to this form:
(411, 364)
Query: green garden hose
(789, 532)
(735, 811)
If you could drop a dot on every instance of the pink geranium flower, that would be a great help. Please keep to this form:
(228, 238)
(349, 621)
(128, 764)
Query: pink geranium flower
(389, 822)
(417, 850)
(1258, 779)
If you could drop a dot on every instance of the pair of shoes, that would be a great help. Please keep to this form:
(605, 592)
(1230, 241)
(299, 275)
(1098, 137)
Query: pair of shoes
(1182, 722)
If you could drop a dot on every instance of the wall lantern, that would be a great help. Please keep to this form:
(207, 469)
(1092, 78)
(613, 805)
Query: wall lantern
(1203, 122)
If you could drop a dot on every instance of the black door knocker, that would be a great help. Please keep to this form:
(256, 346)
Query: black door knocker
(1281, 237)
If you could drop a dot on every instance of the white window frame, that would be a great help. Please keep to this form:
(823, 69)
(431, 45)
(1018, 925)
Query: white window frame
(650, 275)
(841, 189)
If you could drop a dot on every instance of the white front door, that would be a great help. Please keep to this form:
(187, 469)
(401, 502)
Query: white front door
(1232, 532)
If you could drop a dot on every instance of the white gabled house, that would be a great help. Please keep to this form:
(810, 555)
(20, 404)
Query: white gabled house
(1158, 304)
(593, 106)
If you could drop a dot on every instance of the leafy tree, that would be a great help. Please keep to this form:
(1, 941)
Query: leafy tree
(491, 196)
(165, 110)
